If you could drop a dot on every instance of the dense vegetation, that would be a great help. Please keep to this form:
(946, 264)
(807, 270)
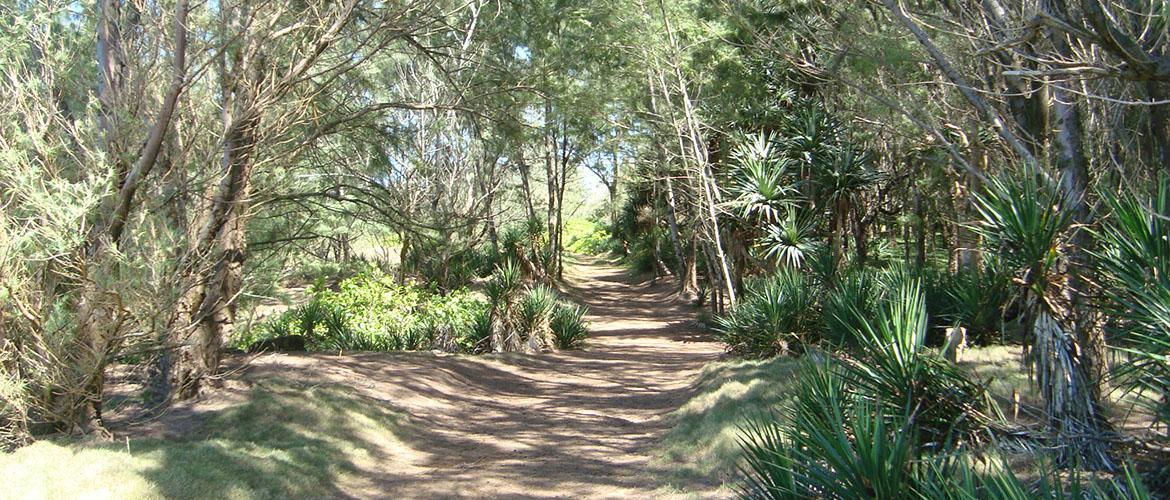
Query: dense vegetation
(868, 186)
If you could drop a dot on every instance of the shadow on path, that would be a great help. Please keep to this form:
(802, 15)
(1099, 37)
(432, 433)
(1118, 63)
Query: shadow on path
(566, 424)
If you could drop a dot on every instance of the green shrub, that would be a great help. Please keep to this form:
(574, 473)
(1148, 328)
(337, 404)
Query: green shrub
(835, 443)
(974, 299)
(370, 312)
(892, 371)
(568, 325)
(478, 336)
(589, 237)
(858, 290)
(892, 421)
(1136, 261)
(777, 313)
(534, 315)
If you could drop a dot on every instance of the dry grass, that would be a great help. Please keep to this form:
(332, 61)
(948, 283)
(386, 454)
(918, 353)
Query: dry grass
(703, 444)
(284, 441)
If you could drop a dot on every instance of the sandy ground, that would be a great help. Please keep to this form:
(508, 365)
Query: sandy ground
(571, 424)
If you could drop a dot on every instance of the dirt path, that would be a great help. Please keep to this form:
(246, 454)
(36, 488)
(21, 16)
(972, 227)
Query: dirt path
(571, 424)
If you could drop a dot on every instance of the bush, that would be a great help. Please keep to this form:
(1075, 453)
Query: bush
(834, 447)
(777, 313)
(534, 316)
(892, 371)
(834, 443)
(568, 325)
(856, 294)
(528, 319)
(589, 237)
(369, 312)
(479, 333)
(972, 298)
(1136, 261)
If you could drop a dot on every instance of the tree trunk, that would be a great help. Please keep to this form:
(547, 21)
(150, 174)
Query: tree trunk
(1075, 411)
(525, 173)
(685, 280)
(206, 313)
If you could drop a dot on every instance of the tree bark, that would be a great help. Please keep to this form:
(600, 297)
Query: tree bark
(1076, 413)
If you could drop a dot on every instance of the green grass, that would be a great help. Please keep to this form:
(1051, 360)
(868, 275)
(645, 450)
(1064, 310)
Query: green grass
(703, 442)
(284, 441)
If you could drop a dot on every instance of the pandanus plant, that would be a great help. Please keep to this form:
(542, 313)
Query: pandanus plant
(1026, 222)
(1136, 260)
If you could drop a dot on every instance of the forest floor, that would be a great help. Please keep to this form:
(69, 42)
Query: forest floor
(573, 424)
(586, 423)
(579, 423)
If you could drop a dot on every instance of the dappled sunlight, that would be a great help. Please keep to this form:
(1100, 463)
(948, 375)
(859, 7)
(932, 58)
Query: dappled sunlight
(421, 424)
(703, 442)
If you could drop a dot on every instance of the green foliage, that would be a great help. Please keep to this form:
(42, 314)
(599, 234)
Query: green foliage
(856, 294)
(759, 185)
(1136, 259)
(647, 249)
(777, 314)
(1024, 218)
(791, 241)
(568, 325)
(478, 337)
(534, 312)
(505, 282)
(589, 237)
(447, 264)
(370, 312)
(529, 318)
(894, 373)
(840, 440)
(835, 446)
(972, 298)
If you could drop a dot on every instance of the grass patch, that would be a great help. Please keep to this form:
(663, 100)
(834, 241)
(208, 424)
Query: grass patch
(703, 444)
(285, 441)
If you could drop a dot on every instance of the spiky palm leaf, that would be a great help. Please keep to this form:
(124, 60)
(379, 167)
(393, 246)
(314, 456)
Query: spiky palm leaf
(759, 185)
(1026, 222)
(843, 174)
(1136, 258)
(791, 240)
(778, 313)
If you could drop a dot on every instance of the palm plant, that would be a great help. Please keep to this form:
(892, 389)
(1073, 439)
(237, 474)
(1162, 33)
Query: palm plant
(1136, 260)
(477, 335)
(894, 372)
(568, 326)
(760, 188)
(975, 299)
(837, 443)
(1026, 223)
(834, 446)
(778, 314)
(534, 314)
(809, 133)
(790, 241)
(839, 178)
(855, 296)
(502, 290)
